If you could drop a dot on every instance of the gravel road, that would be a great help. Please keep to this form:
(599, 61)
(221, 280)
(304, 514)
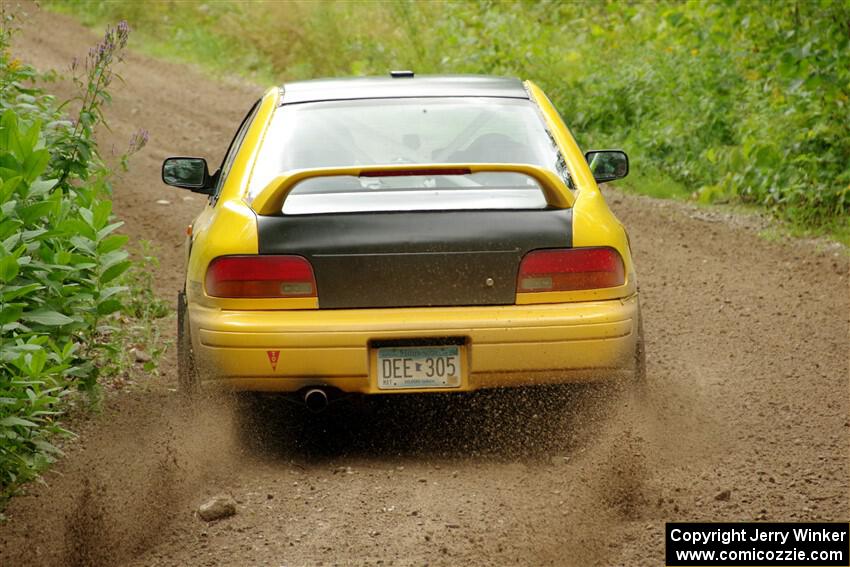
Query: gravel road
(745, 416)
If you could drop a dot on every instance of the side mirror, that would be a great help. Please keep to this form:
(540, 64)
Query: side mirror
(187, 173)
(607, 165)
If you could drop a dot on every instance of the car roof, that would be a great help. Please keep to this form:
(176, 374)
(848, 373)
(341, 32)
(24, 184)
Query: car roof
(402, 87)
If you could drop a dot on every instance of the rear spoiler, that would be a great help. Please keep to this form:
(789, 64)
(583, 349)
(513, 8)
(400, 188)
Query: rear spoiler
(270, 200)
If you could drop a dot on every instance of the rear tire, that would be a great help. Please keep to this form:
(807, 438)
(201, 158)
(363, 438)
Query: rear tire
(187, 372)
(640, 355)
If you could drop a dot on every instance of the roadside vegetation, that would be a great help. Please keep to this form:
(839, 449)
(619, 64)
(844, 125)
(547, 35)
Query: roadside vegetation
(718, 101)
(72, 301)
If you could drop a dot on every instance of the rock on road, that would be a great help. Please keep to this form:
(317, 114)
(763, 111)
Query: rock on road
(745, 416)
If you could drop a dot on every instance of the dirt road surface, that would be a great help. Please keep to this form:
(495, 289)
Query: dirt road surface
(745, 416)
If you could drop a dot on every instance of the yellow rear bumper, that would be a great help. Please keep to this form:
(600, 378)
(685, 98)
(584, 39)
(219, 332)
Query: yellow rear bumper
(504, 345)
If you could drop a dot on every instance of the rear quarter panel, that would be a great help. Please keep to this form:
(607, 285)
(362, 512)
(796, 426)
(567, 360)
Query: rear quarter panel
(593, 222)
(227, 225)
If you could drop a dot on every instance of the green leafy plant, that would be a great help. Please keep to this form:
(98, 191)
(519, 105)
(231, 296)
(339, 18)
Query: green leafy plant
(76, 151)
(63, 266)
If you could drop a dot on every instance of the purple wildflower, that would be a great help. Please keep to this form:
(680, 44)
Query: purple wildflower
(138, 140)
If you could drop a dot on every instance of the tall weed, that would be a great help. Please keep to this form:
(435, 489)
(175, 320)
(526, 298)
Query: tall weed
(62, 263)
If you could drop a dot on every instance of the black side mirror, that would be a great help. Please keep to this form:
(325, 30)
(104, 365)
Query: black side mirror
(607, 165)
(188, 173)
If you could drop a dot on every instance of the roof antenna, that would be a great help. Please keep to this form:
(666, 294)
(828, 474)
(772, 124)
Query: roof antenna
(406, 74)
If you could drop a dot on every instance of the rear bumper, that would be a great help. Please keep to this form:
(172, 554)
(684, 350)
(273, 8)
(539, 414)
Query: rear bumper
(504, 345)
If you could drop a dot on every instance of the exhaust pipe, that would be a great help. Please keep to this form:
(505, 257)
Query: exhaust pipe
(316, 400)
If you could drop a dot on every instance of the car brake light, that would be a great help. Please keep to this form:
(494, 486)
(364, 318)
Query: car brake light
(260, 276)
(570, 269)
(423, 171)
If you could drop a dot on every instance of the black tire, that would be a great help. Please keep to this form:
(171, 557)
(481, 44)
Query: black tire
(187, 372)
(640, 354)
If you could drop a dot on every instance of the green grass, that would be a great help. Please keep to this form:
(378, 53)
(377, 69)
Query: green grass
(196, 45)
(837, 231)
(655, 184)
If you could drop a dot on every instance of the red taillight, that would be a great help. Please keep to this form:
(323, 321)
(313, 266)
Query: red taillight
(260, 276)
(570, 269)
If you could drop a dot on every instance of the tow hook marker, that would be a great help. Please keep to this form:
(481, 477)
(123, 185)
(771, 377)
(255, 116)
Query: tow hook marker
(274, 356)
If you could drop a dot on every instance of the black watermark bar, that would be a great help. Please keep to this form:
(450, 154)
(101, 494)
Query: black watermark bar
(759, 544)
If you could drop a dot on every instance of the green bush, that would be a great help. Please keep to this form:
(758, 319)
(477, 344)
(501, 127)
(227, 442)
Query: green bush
(61, 261)
(734, 101)
(724, 100)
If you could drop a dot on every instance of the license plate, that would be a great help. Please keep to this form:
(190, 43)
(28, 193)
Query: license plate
(419, 367)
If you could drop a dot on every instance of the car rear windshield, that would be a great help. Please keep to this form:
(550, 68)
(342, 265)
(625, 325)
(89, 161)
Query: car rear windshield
(416, 131)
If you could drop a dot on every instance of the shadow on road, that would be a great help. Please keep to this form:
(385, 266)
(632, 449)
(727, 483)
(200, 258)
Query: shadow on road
(530, 423)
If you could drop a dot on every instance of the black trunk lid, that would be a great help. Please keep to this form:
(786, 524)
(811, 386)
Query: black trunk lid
(414, 259)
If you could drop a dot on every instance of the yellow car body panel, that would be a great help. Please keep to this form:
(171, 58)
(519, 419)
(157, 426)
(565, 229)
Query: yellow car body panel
(593, 222)
(242, 168)
(549, 337)
(502, 345)
(235, 223)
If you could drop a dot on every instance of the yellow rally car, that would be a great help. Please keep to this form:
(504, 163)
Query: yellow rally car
(405, 234)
